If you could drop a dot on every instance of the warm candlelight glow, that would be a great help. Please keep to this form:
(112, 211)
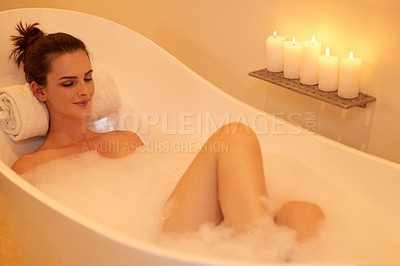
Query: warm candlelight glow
(274, 52)
(292, 53)
(349, 77)
(309, 62)
(328, 75)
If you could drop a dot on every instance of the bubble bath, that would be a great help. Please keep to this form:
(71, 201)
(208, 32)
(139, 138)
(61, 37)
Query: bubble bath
(128, 196)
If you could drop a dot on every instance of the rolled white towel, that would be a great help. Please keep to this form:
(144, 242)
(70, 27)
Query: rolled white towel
(22, 116)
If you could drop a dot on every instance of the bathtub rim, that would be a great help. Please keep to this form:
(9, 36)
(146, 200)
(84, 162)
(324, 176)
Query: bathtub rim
(137, 244)
(98, 228)
(130, 242)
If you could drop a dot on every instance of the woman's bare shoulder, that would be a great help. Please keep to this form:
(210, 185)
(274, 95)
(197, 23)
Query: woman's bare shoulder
(115, 144)
(41, 156)
(25, 163)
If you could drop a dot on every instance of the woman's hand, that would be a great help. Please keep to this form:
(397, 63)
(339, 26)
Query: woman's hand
(116, 144)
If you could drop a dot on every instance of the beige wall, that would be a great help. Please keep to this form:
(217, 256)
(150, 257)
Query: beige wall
(224, 40)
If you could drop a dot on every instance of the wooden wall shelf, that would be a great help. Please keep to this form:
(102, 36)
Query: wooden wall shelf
(312, 90)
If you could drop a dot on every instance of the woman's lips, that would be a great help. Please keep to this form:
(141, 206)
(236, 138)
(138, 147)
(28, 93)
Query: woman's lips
(82, 103)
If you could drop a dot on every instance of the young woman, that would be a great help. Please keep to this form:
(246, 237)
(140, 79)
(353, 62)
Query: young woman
(58, 68)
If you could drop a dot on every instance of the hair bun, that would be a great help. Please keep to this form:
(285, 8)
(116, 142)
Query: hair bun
(28, 35)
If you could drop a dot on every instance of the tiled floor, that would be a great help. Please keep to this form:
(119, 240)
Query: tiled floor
(8, 255)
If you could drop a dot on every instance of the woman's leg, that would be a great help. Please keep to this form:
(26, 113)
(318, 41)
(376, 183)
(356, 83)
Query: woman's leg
(224, 182)
(227, 185)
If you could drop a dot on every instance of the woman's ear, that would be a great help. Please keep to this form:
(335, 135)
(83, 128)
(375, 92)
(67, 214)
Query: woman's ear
(38, 91)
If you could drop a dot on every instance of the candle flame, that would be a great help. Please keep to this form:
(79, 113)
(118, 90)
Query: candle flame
(327, 51)
(351, 56)
(294, 41)
(313, 39)
(274, 33)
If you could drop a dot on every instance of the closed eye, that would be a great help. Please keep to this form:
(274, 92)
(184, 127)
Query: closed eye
(88, 76)
(71, 80)
(67, 84)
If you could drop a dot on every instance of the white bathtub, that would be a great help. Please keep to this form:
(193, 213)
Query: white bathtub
(152, 81)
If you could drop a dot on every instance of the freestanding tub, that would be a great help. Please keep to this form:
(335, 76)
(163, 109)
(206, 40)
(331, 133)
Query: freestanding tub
(152, 81)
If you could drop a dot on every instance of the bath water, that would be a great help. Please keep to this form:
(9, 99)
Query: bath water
(128, 196)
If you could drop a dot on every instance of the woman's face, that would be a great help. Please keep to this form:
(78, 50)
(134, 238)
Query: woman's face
(70, 86)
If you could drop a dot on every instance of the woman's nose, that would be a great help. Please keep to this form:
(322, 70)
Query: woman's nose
(83, 91)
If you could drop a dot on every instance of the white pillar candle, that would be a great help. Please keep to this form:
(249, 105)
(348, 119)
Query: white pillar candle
(328, 73)
(292, 59)
(274, 48)
(309, 62)
(349, 78)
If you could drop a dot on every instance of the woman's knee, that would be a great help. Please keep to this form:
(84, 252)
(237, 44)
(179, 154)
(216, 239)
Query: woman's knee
(235, 128)
(236, 133)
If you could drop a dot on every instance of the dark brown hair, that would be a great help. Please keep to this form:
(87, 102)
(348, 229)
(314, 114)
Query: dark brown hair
(36, 49)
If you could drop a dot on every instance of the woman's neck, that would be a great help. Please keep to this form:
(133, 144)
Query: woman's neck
(66, 131)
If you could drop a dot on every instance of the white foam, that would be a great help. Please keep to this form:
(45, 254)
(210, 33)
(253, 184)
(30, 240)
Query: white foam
(128, 195)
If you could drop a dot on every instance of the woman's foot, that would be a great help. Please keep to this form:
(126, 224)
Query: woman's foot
(303, 217)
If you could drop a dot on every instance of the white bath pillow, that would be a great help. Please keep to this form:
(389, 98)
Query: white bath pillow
(106, 99)
(22, 116)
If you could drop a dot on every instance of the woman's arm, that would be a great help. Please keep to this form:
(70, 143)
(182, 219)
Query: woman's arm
(116, 144)
(30, 160)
